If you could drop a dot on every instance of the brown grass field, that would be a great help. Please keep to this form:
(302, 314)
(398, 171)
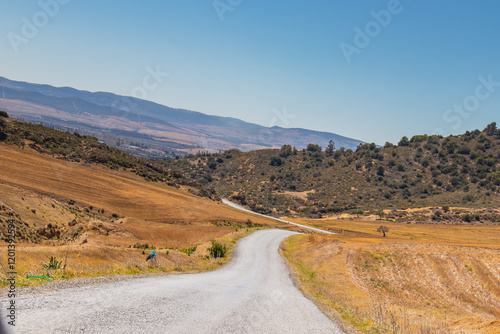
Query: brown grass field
(38, 188)
(419, 279)
(92, 260)
(115, 191)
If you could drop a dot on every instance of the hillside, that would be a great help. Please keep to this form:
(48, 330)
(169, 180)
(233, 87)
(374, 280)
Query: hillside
(424, 171)
(97, 211)
(61, 187)
(88, 149)
(146, 128)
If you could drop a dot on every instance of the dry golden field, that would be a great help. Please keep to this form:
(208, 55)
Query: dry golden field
(419, 279)
(117, 192)
(99, 213)
(92, 260)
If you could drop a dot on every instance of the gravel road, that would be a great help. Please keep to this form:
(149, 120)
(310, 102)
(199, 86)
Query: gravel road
(239, 207)
(252, 294)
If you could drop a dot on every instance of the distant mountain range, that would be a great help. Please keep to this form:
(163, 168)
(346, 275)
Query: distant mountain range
(133, 122)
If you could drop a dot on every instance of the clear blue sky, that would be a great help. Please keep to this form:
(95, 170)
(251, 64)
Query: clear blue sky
(268, 56)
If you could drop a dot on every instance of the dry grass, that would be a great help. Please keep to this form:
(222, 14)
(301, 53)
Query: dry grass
(117, 192)
(444, 280)
(302, 195)
(473, 235)
(39, 187)
(91, 260)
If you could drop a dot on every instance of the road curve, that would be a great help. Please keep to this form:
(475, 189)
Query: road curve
(253, 293)
(239, 207)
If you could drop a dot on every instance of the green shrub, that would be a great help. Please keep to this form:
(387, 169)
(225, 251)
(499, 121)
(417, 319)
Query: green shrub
(53, 264)
(286, 150)
(217, 250)
(188, 251)
(404, 141)
(313, 148)
(276, 161)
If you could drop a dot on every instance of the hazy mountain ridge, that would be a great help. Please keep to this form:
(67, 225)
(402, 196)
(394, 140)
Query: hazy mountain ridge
(67, 106)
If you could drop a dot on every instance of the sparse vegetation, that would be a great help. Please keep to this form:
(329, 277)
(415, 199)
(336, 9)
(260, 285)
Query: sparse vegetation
(189, 250)
(53, 264)
(427, 279)
(88, 149)
(454, 171)
(383, 229)
(450, 180)
(217, 250)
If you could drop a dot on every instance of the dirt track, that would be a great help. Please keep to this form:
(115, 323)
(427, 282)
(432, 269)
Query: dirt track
(252, 294)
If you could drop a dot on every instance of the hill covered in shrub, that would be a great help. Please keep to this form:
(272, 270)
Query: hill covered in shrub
(89, 150)
(422, 171)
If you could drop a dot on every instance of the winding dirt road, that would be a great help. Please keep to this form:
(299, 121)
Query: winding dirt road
(252, 294)
(239, 207)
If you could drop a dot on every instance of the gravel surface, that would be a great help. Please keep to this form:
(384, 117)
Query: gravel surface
(252, 294)
(239, 207)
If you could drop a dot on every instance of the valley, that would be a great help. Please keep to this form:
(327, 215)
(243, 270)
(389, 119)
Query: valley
(250, 167)
(99, 212)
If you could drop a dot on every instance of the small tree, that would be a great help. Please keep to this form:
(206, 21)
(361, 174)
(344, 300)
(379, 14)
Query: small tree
(404, 141)
(313, 148)
(330, 148)
(383, 229)
(358, 212)
(491, 129)
(286, 150)
(3, 126)
(276, 161)
(380, 170)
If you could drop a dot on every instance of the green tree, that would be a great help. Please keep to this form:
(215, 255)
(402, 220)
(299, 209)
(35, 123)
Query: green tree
(3, 126)
(494, 177)
(380, 170)
(313, 148)
(276, 161)
(330, 148)
(419, 138)
(404, 141)
(491, 129)
(4, 114)
(286, 150)
(383, 229)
